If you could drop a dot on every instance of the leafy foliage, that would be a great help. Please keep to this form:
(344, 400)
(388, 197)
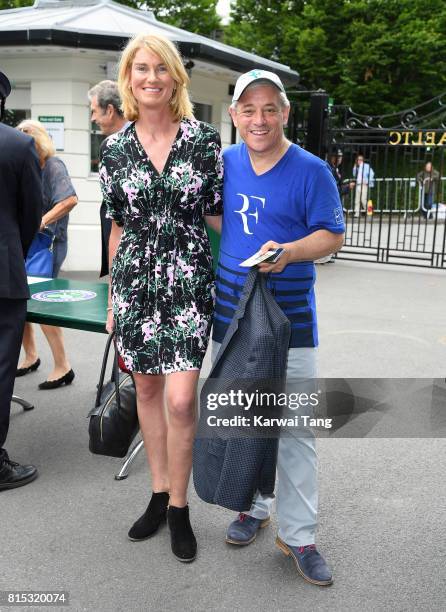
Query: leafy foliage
(10, 4)
(376, 55)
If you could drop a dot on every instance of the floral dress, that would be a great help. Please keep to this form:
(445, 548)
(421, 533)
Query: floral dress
(162, 280)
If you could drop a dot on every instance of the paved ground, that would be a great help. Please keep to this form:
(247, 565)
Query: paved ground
(382, 521)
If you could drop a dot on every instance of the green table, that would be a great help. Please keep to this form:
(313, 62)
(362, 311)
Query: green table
(88, 315)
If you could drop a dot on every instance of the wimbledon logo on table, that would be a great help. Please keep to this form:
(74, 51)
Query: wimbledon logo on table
(64, 295)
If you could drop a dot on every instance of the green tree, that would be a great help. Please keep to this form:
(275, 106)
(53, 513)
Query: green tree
(375, 55)
(9, 4)
(259, 26)
(396, 57)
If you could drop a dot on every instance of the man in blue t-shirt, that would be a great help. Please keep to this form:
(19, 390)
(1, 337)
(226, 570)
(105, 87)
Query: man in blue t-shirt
(278, 195)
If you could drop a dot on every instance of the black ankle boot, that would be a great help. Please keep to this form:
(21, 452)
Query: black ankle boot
(183, 542)
(147, 525)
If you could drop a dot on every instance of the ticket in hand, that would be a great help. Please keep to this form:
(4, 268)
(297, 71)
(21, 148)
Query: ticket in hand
(270, 256)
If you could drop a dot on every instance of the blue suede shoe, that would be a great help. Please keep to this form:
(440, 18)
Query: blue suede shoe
(309, 563)
(243, 530)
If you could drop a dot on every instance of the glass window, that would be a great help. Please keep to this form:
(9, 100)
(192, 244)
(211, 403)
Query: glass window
(96, 138)
(203, 112)
(14, 116)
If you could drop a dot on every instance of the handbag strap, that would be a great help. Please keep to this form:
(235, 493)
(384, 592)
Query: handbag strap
(115, 373)
(52, 236)
(115, 369)
(47, 230)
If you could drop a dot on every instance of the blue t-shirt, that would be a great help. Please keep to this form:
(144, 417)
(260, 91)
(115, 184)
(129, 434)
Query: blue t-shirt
(297, 197)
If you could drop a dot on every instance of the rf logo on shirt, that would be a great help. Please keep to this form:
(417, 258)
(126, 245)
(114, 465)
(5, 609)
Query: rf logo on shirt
(247, 206)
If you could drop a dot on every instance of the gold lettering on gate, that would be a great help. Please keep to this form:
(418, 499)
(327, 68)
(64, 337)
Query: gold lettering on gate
(419, 139)
(398, 138)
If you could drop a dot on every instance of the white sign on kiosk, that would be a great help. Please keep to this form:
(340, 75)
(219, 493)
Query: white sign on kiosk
(55, 126)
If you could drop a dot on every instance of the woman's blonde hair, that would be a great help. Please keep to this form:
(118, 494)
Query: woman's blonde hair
(44, 144)
(180, 104)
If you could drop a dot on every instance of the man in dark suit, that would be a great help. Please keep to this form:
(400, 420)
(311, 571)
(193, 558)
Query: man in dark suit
(20, 217)
(105, 106)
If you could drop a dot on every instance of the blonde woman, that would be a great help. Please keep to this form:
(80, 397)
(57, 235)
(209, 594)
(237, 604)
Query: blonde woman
(161, 179)
(59, 198)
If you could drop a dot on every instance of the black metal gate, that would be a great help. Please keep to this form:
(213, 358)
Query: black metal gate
(393, 177)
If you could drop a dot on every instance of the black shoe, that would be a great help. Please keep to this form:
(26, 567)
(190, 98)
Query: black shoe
(66, 379)
(182, 539)
(32, 368)
(13, 474)
(148, 524)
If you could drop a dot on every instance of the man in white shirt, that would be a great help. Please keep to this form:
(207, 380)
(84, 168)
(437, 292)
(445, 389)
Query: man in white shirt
(365, 180)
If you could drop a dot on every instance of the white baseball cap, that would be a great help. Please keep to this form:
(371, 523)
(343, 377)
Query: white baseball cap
(255, 75)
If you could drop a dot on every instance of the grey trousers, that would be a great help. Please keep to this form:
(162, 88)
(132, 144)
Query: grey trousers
(297, 492)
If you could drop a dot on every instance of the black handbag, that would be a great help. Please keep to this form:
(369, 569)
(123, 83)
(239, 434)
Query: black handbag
(114, 419)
